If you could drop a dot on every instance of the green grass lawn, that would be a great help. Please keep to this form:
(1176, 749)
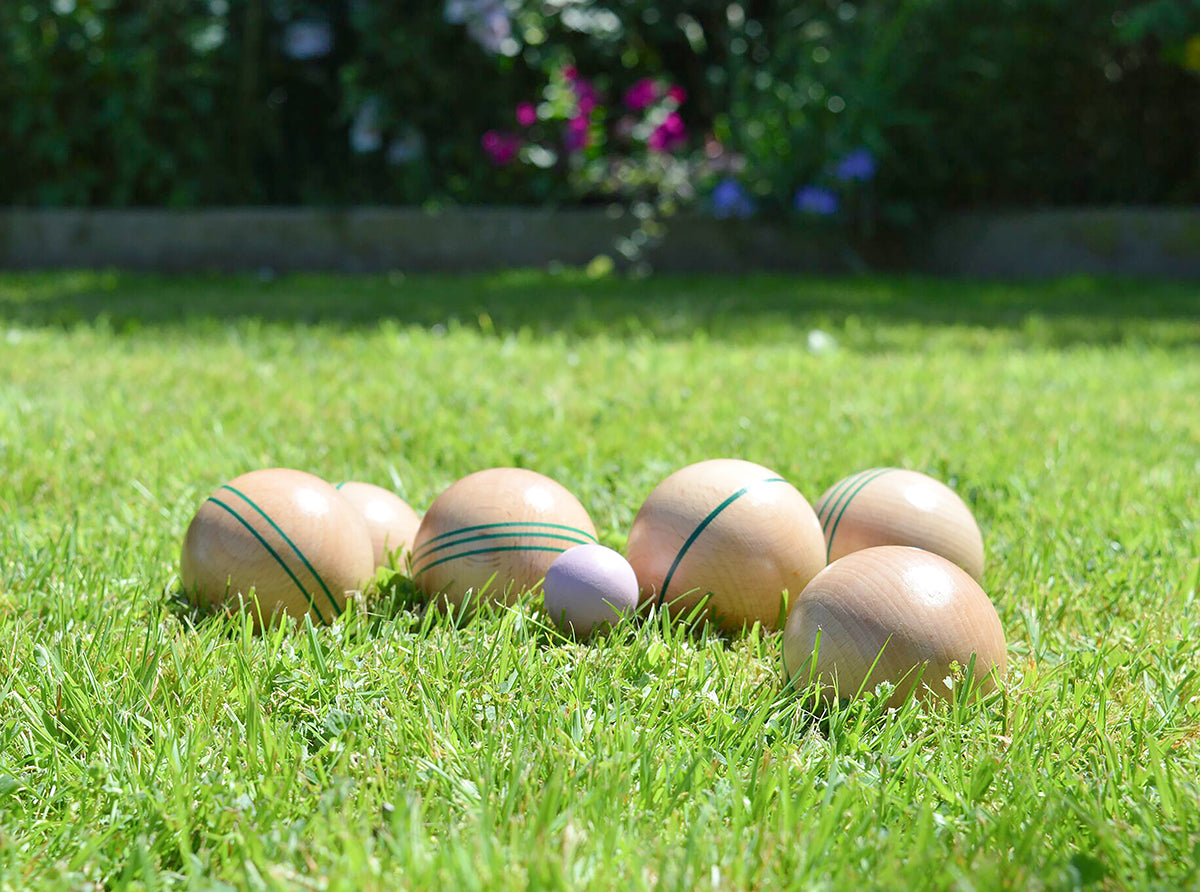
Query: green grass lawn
(393, 750)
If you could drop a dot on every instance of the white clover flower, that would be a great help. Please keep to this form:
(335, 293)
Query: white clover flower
(821, 341)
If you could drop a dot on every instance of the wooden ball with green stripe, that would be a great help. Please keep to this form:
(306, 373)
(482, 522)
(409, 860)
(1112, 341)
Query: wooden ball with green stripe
(731, 534)
(282, 538)
(890, 506)
(494, 534)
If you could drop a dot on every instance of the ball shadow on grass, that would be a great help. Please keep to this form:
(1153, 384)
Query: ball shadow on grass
(834, 714)
(388, 596)
(1071, 311)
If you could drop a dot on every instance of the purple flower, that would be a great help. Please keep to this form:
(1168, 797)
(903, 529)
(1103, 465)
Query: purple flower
(408, 146)
(857, 165)
(641, 95)
(526, 114)
(487, 23)
(307, 40)
(491, 30)
(457, 11)
(668, 136)
(816, 200)
(366, 131)
(576, 136)
(501, 147)
(729, 199)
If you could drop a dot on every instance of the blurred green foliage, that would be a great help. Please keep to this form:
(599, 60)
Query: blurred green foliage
(203, 102)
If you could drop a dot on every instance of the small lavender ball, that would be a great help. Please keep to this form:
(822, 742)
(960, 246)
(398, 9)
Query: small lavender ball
(588, 586)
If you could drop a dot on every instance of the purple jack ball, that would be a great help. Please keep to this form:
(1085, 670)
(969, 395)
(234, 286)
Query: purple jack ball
(589, 586)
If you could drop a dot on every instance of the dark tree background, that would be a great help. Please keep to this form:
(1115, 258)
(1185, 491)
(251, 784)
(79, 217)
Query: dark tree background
(188, 103)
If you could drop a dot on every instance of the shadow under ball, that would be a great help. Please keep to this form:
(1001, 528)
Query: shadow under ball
(730, 529)
(889, 506)
(391, 521)
(501, 528)
(286, 535)
(916, 607)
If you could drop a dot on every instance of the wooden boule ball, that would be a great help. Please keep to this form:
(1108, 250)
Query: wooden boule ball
(391, 522)
(588, 587)
(731, 533)
(498, 529)
(890, 506)
(287, 536)
(921, 611)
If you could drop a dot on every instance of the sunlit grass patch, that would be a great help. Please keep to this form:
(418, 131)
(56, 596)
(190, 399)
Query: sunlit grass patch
(142, 746)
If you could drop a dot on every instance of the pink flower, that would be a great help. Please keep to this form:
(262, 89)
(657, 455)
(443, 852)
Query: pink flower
(586, 96)
(571, 73)
(668, 136)
(501, 147)
(526, 114)
(641, 95)
(576, 136)
(677, 94)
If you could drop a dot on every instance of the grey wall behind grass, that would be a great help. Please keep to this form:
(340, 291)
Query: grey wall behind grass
(1153, 242)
